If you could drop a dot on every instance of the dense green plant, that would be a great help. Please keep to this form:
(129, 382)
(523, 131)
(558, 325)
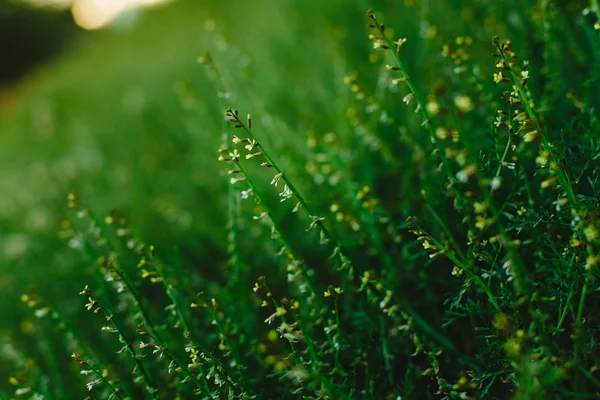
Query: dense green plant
(433, 233)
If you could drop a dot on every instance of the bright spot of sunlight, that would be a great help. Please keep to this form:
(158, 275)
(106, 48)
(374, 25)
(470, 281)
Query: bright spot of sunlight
(94, 14)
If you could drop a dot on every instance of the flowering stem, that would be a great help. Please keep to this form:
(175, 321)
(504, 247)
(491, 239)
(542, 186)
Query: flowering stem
(562, 176)
(292, 254)
(420, 322)
(389, 45)
(98, 373)
(508, 143)
(577, 210)
(110, 316)
(513, 255)
(563, 314)
(445, 228)
(233, 115)
(307, 337)
(82, 347)
(580, 308)
(155, 335)
(463, 267)
(218, 83)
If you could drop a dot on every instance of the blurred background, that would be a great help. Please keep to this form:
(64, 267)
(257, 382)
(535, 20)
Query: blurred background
(32, 31)
(107, 98)
(92, 94)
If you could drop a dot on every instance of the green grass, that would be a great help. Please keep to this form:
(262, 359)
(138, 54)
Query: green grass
(283, 200)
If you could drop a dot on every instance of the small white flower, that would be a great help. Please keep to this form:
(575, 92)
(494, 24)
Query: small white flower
(286, 194)
(90, 385)
(246, 193)
(276, 179)
(496, 183)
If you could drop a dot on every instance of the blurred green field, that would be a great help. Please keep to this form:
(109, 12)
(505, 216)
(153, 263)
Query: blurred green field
(130, 120)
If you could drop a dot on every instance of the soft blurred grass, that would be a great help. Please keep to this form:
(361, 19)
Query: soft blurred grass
(112, 120)
(123, 120)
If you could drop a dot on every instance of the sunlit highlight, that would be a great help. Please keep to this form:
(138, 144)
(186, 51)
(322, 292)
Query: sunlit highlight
(95, 14)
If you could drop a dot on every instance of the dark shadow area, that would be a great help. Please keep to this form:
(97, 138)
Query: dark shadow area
(30, 36)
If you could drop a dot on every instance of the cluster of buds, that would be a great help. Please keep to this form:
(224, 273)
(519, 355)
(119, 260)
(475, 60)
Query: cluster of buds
(196, 358)
(261, 286)
(122, 229)
(33, 302)
(333, 292)
(321, 166)
(507, 64)
(109, 266)
(510, 71)
(459, 51)
(87, 369)
(92, 303)
(233, 117)
(424, 238)
(146, 265)
(250, 144)
(229, 156)
(365, 196)
(342, 216)
(205, 304)
(73, 200)
(379, 40)
(356, 86)
(286, 329)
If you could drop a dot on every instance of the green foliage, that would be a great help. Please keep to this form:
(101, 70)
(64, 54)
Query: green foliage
(317, 210)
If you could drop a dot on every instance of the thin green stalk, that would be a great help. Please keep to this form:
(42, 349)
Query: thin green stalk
(329, 385)
(580, 308)
(231, 347)
(233, 206)
(178, 307)
(563, 314)
(155, 335)
(562, 175)
(508, 142)
(234, 118)
(445, 229)
(516, 259)
(76, 203)
(217, 81)
(476, 278)
(233, 201)
(385, 351)
(563, 179)
(100, 375)
(595, 8)
(289, 249)
(82, 347)
(421, 106)
(97, 305)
